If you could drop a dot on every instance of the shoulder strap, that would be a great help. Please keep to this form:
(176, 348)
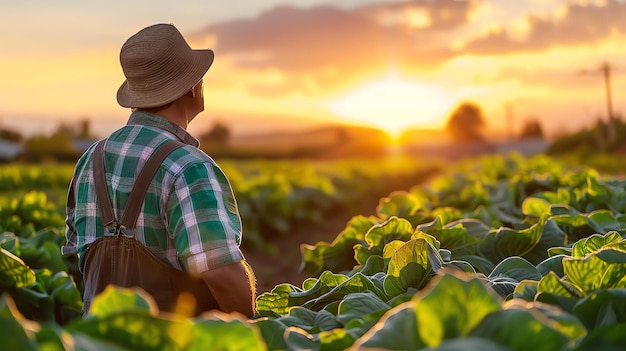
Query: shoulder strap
(135, 200)
(138, 193)
(100, 181)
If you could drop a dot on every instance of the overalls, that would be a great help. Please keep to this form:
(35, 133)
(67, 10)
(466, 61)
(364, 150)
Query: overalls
(120, 259)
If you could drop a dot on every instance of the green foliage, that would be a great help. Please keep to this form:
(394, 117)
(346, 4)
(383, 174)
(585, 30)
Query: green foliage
(501, 254)
(275, 197)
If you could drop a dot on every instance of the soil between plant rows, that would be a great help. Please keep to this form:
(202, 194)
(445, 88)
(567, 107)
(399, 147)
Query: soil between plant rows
(282, 263)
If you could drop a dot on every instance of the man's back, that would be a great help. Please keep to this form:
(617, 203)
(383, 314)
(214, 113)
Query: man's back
(189, 191)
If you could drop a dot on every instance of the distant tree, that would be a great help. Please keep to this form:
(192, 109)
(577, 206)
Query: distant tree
(466, 123)
(66, 130)
(84, 130)
(531, 130)
(219, 134)
(56, 147)
(10, 135)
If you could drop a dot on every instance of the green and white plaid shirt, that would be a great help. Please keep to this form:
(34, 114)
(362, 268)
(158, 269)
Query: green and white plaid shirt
(189, 217)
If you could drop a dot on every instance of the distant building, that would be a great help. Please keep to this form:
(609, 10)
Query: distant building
(82, 144)
(9, 150)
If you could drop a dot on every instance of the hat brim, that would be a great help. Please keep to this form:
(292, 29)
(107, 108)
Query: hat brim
(200, 64)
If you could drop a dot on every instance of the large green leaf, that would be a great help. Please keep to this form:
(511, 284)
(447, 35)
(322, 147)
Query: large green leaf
(562, 196)
(572, 222)
(603, 221)
(276, 302)
(452, 308)
(602, 308)
(516, 268)
(299, 339)
(34, 302)
(562, 287)
(606, 338)
(509, 273)
(605, 268)
(374, 264)
(272, 331)
(555, 291)
(357, 283)
(10, 242)
(436, 224)
(357, 305)
(552, 264)
(396, 330)
(449, 308)
(13, 272)
(136, 329)
(401, 204)
(480, 263)
(551, 236)
(336, 339)
(457, 239)
(12, 333)
(507, 242)
(536, 207)
(115, 299)
(520, 331)
(595, 242)
(410, 266)
(526, 290)
(224, 332)
(392, 229)
(447, 214)
(42, 251)
(311, 321)
(552, 316)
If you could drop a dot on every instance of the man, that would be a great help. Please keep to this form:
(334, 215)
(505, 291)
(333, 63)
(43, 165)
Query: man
(189, 221)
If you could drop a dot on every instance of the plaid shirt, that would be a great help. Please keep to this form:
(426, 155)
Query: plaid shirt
(189, 217)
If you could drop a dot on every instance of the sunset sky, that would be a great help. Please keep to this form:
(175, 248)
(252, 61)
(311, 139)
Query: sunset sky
(282, 64)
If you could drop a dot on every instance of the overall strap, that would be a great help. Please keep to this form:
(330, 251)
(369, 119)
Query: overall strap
(100, 181)
(138, 193)
(135, 200)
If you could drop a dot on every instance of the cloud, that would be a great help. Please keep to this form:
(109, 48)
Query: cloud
(319, 47)
(582, 24)
(423, 14)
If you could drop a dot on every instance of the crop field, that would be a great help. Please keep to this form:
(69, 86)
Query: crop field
(497, 253)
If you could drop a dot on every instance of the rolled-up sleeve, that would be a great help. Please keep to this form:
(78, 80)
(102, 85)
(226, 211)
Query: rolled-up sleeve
(203, 219)
(70, 229)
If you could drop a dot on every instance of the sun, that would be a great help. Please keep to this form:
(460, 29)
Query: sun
(394, 104)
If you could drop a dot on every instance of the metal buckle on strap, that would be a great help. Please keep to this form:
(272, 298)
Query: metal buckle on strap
(111, 228)
(127, 232)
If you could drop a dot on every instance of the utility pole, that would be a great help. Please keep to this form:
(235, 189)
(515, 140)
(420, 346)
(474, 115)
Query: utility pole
(606, 69)
(611, 124)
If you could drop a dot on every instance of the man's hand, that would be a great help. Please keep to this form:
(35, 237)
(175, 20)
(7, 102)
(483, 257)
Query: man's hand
(234, 287)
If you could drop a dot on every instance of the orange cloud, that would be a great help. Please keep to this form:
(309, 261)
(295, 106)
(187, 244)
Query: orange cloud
(580, 24)
(322, 47)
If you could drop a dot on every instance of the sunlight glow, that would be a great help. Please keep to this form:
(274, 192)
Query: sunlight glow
(394, 105)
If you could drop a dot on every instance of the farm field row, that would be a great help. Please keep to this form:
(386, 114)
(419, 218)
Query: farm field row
(501, 253)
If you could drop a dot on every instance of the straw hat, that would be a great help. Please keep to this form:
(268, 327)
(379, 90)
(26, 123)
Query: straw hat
(159, 67)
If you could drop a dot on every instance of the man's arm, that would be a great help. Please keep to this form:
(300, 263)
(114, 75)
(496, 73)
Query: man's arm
(70, 230)
(234, 287)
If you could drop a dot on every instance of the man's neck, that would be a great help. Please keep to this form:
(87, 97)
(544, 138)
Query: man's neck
(173, 113)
